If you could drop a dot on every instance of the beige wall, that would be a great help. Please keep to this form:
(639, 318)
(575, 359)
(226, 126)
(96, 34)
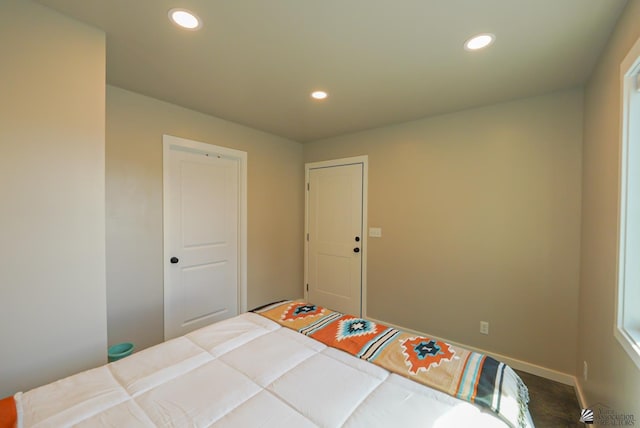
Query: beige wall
(52, 238)
(135, 125)
(479, 209)
(480, 218)
(614, 380)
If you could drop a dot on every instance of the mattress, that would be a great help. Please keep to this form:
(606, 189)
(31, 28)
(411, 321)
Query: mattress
(247, 371)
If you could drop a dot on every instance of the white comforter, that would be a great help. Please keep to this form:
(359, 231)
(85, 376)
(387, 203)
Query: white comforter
(244, 372)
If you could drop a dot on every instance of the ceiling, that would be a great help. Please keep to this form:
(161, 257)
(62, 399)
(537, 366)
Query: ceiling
(255, 62)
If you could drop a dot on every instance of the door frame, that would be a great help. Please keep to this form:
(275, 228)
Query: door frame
(364, 160)
(169, 141)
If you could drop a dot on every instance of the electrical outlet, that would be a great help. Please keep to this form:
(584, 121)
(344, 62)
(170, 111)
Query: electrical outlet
(585, 370)
(484, 327)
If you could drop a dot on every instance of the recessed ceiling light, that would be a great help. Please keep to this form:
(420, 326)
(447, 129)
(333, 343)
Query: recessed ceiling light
(478, 42)
(185, 19)
(319, 95)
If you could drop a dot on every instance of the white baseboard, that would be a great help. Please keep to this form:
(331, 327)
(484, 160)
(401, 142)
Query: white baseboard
(580, 395)
(534, 369)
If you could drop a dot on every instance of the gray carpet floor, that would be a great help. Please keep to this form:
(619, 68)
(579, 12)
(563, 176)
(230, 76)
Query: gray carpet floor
(552, 404)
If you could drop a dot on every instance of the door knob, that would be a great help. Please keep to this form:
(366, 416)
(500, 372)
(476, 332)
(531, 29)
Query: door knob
(356, 250)
(174, 260)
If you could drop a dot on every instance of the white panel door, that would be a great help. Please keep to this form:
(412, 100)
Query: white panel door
(335, 237)
(201, 280)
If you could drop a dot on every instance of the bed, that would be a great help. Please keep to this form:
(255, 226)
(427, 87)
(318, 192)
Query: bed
(272, 368)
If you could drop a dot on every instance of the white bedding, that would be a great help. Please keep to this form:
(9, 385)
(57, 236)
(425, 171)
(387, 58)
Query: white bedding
(244, 372)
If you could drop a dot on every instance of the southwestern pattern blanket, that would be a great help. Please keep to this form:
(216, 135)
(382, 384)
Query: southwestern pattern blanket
(461, 373)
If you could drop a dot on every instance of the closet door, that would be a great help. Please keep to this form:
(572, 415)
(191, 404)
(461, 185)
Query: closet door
(202, 207)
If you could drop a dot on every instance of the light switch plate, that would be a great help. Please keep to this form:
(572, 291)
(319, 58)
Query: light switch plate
(375, 232)
(484, 327)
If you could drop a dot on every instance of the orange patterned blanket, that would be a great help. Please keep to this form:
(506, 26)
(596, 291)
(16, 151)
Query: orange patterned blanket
(8, 414)
(464, 374)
